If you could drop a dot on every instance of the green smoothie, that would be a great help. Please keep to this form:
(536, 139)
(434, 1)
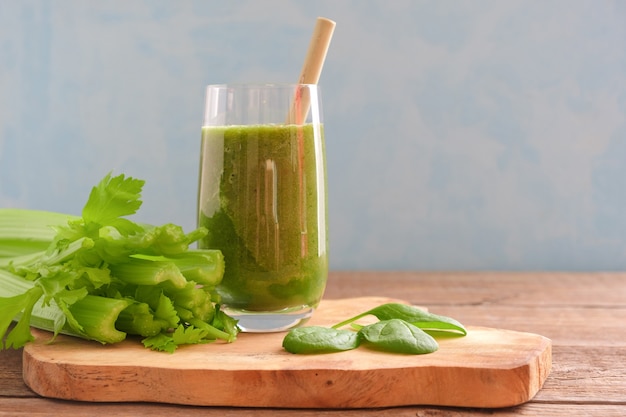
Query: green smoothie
(262, 196)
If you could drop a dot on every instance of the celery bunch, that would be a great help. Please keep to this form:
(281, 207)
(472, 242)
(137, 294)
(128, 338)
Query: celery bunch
(102, 277)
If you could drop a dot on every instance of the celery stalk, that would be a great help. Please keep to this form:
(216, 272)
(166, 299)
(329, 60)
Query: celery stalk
(193, 300)
(27, 231)
(139, 271)
(203, 266)
(48, 257)
(138, 319)
(102, 276)
(96, 315)
(13, 285)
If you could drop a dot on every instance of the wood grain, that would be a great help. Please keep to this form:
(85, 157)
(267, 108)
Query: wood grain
(582, 312)
(536, 289)
(487, 368)
(43, 407)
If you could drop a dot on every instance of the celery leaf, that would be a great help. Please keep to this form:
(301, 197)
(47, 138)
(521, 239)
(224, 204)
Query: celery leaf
(181, 336)
(10, 308)
(111, 199)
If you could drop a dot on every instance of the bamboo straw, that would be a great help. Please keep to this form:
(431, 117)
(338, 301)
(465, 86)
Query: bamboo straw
(312, 68)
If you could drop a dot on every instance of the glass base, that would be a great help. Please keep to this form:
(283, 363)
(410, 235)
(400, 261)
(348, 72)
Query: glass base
(269, 321)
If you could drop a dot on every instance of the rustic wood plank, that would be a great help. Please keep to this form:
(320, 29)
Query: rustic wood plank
(578, 374)
(586, 375)
(486, 368)
(474, 288)
(570, 326)
(569, 308)
(585, 321)
(40, 407)
(11, 382)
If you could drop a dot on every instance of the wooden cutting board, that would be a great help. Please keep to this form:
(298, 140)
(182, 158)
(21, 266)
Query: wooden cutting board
(487, 368)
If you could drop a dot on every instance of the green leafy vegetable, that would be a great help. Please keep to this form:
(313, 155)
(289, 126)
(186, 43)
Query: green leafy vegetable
(181, 336)
(418, 317)
(396, 335)
(314, 339)
(401, 328)
(24, 232)
(102, 276)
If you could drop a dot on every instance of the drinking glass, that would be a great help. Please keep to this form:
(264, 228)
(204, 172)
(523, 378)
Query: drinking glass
(262, 197)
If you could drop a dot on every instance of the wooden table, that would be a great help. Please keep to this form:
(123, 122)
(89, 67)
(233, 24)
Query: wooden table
(583, 313)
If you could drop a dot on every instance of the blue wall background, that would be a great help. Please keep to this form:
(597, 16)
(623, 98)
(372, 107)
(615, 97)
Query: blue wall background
(461, 135)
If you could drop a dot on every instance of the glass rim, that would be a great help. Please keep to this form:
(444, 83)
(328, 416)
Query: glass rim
(260, 85)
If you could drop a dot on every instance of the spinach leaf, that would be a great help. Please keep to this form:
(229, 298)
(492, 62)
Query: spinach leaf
(401, 328)
(396, 335)
(420, 318)
(429, 322)
(317, 339)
